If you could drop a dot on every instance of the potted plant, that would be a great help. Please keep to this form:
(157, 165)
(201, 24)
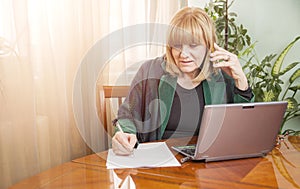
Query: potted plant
(266, 76)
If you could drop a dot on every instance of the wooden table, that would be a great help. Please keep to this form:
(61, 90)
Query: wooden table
(279, 169)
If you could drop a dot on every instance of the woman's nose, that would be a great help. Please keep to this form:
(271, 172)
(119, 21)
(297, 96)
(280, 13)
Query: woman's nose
(184, 52)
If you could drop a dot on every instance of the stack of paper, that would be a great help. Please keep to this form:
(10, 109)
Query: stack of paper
(146, 155)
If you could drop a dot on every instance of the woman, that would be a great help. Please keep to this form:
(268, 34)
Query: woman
(168, 94)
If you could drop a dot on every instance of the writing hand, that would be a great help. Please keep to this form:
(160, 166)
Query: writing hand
(123, 143)
(230, 64)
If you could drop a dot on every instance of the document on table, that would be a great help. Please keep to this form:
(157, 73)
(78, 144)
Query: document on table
(155, 154)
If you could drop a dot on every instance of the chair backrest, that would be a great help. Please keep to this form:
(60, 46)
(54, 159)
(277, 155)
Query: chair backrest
(109, 100)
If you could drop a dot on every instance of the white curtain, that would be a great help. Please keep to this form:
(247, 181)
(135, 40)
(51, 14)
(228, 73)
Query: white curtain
(43, 46)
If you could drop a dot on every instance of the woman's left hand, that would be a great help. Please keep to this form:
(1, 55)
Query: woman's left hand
(230, 64)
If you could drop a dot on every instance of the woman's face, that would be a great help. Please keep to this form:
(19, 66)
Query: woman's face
(188, 57)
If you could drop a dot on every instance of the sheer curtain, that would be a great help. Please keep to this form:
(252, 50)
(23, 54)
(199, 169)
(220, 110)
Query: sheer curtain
(42, 47)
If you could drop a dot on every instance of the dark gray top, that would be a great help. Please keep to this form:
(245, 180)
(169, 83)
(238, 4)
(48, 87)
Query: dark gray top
(185, 112)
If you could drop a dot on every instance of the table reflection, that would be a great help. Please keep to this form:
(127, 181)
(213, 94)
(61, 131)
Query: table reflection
(286, 162)
(279, 169)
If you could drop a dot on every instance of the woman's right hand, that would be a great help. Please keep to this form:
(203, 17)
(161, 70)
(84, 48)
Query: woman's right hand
(123, 143)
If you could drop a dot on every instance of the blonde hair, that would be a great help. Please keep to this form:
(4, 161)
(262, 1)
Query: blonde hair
(191, 25)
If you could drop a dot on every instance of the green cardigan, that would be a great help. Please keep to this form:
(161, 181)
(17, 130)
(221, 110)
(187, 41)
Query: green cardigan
(146, 110)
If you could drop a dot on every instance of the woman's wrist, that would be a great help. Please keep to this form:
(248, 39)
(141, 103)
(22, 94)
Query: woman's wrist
(242, 83)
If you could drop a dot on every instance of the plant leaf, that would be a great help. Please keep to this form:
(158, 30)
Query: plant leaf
(292, 104)
(278, 63)
(288, 68)
(268, 96)
(248, 50)
(232, 14)
(295, 88)
(295, 75)
(269, 58)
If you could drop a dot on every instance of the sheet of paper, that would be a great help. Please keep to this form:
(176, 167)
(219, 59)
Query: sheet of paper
(155, 154)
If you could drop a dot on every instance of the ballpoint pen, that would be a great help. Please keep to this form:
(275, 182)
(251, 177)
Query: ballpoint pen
(121, 130)
(119, 127)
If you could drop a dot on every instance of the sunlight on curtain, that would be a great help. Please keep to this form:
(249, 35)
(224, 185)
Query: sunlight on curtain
(42, 44)
(142, 35)
(121, 67)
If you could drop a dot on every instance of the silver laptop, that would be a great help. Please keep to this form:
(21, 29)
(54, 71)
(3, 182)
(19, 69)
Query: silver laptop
(233, 131)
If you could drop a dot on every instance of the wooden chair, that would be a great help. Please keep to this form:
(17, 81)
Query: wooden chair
(109, 100)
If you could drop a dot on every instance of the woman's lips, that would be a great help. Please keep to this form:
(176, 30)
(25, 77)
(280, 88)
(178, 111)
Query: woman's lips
(186, 61)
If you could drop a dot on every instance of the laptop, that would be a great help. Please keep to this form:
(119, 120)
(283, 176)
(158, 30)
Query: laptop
(234, 131)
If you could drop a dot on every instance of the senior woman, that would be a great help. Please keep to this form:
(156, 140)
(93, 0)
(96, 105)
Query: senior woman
(168, 94)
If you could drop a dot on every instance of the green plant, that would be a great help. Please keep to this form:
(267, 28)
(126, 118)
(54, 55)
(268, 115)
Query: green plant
(267, 79)
(232, 36)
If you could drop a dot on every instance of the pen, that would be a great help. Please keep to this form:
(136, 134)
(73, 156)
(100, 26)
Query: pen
(121, 130)
(119, 127)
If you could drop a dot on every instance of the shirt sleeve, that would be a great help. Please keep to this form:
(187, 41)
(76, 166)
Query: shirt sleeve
(244, 93)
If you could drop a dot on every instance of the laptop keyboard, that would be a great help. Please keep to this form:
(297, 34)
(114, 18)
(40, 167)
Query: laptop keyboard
(188, 149)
